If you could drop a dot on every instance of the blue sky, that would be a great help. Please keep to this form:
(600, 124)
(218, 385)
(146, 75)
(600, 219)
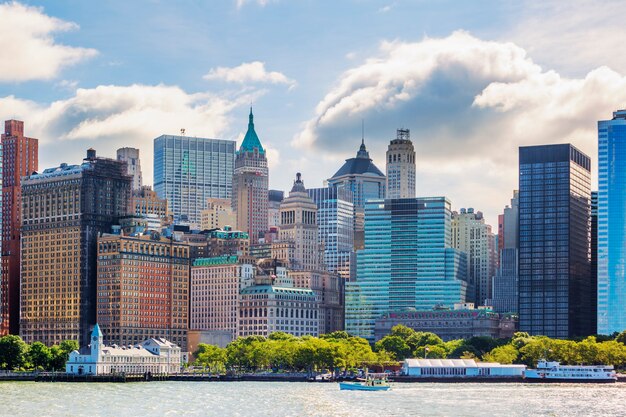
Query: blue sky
(472, 80)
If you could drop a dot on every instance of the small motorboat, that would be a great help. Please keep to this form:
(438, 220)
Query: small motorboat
(372, 382)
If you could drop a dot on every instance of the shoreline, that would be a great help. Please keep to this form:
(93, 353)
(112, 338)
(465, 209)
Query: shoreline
(62, 377)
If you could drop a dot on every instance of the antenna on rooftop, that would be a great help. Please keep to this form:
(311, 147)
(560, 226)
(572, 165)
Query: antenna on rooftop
(363, 131)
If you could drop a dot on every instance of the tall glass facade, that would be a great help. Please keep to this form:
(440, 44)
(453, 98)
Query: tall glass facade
(408, 262)
(555, 288)
(188, 171)
(335, 228)
(612, 224)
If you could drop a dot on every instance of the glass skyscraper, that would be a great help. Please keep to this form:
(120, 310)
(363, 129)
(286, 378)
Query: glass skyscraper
(555, 288)
(408, 262)
(612, 224)
(188, 171)
(335, 227)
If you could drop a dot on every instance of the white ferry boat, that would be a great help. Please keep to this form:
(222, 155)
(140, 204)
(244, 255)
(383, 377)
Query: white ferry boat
(555, 372)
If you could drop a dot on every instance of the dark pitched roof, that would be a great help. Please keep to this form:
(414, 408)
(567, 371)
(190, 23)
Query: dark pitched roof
(362, 164)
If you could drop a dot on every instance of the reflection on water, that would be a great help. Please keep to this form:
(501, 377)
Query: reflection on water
(307, 399)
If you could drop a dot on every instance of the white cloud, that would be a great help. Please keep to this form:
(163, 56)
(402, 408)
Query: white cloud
(262, 3)
(28, 50)
(572, 36)
(469, 103)
(108, 117)
(248, 72)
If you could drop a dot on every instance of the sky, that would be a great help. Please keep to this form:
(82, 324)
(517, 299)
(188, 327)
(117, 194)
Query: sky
(472, 81)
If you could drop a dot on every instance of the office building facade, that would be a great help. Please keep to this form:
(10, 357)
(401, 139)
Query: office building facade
(133, 165)
(335, 229)
(611, 218)
(65, 209)
(555, 289)
(143, 289)
(19, 159)
(408, 262)
(473, 236)
(188, 171)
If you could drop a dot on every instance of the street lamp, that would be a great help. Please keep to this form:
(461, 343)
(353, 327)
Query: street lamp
(426, 350)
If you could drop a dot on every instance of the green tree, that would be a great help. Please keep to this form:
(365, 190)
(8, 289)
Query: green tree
(621, 338)
(402, 331)
(394, 345)
(506, 354)
(340, 334)
(431, 352)
(12, 352)
(418, 339)
(211, 357)
(463, 351)
(60, 354)
(39, 356)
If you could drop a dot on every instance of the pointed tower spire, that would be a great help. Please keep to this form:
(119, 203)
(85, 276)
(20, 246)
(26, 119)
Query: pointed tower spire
(362, 153)
(251, 140)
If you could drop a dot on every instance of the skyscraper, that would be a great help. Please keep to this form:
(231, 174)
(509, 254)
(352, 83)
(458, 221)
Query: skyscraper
(275, 197)
(131, 157)
(401, 166)
(612, 224)
(335, 228)
(555, 294)
(64, 210)
(505, 282)
(19, 158)
(408, 262)
(298, 224)
(188, 171)
(364, 181)
(250, 185)
(473, 236)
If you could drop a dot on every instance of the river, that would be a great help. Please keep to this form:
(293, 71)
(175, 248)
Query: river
(308, 399)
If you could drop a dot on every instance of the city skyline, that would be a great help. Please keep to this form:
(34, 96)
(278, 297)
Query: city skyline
(483, 74)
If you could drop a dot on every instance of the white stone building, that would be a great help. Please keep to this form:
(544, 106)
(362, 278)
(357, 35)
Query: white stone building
(401, 166)
(155, 356)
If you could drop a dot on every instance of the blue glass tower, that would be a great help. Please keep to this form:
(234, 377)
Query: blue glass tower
(612, 224)
(408, 262)
(555, 282)
(189, 170)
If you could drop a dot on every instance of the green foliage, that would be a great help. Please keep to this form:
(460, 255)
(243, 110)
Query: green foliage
(419, 339)
(395, 345)
(431, 352)
(402, 331)
(211, 357)
(464, 351)
(506, 354)
(12, 352)
(621, 338)
(39, 356)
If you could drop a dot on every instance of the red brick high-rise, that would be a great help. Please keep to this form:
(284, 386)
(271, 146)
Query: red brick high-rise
(19, 158)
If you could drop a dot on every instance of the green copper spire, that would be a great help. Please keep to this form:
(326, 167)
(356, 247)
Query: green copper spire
(251, 140)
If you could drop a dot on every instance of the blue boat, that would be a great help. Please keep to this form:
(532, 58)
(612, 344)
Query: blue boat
(373, 382)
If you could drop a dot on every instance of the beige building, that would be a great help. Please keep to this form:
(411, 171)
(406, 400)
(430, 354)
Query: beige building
(217, 215)
(471, 235)
(298, 226)
(250, 185)
(273, 304)
(147, 204)
(401, 166)
(215, 287)
(327, 288)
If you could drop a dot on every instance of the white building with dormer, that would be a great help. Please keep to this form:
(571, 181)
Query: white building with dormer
(155, 356)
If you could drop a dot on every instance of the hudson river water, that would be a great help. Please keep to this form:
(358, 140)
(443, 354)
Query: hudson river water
(307, 399)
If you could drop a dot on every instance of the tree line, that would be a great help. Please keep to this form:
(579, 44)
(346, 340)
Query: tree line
(341, 352)
(522, 348)
(17, 355)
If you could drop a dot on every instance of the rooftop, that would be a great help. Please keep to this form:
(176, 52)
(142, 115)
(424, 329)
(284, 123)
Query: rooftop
(361, 165)
(251, 140)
